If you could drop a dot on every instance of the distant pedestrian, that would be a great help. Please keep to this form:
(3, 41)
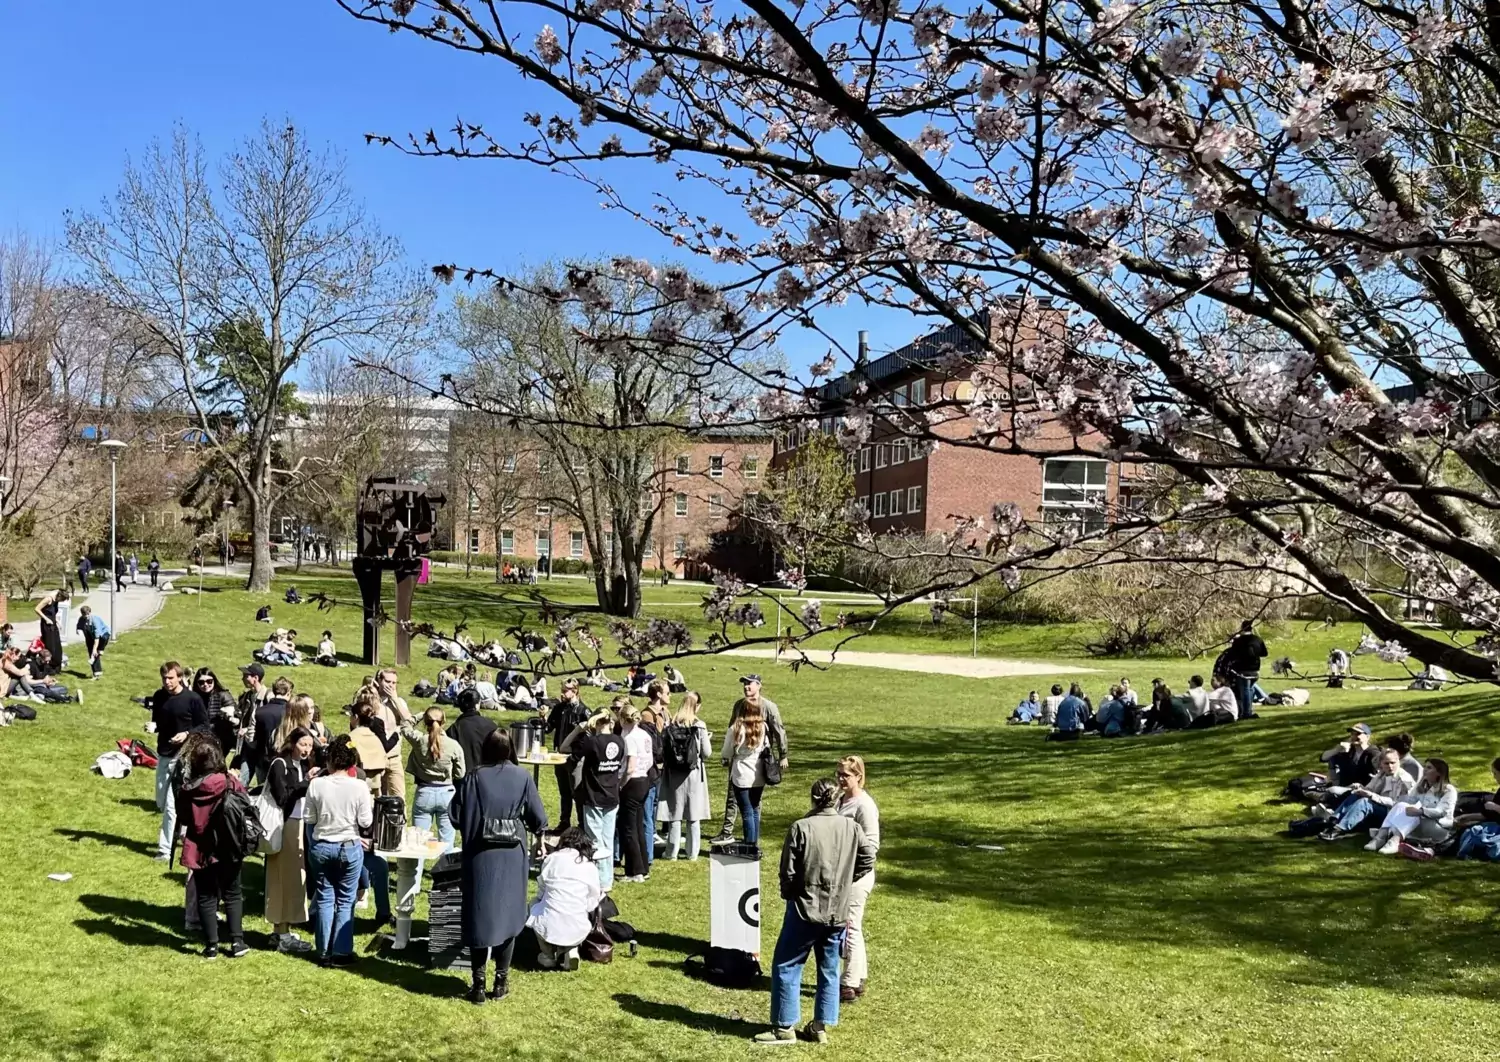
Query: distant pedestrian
(153, 568)
(51, 633)
(84, 567)
(96, 634)
(133, 565)
(120, 573)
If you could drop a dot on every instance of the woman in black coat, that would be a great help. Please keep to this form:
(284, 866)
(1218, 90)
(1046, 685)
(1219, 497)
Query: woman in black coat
(495, 877)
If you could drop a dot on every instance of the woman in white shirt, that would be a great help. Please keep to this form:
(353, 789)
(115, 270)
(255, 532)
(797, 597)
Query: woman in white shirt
(856, 803)
(338, 810)
(639, 760)
(569, 891)
(1427, 815)
(744, 742)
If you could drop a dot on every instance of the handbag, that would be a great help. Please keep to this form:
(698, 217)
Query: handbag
(770, 766)
(598, 945)
(500, 831)
(272, 822)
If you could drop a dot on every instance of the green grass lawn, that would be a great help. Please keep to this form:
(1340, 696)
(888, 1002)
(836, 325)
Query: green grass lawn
(1143, 907)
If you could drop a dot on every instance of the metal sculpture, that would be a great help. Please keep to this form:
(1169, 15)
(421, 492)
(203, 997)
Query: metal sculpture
(395, 525)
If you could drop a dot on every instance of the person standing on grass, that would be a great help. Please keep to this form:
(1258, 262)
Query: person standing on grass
(286, 871)
(1242, 665)
(95, 638)
(51, 635)
(471, 728)
(825, 853)
(176, 710)
(563, 718)
(637, 787)
(686, 747)
(744, 743)
(599, 755)
(339, 810)
(216, 874)
(856, 803)
(394, 713)
(496, 869)
(261, 749)
(437, 763)
(153, 569)
(767, 711)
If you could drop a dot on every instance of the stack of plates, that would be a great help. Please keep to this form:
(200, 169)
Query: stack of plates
(445, 900)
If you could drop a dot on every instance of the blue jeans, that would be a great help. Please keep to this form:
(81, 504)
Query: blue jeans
(798, 939)
(166, 803)
(1481, 841)
(749, 803)
(336, 867)
(1352, 811)
(1242, 685)
(431, 805)
(650, 817)
(599, 824)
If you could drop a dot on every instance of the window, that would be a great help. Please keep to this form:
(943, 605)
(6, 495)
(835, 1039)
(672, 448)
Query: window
(543, 509)
(918, 392)
(473, 500)
(473, 540)
(864, 459)
(898, 452)
(679, 548)
(749, 501)
(896, 503)
(684, 464)
(898, 396)
(715, 505)
(543, 544)
(1074, 491)
(913, 499)
(544, 463)
(716, 466)
(750, 467)
(880, 503)
(647, 552)
(609, 543)
(510, 463)
(508, 542)
(648, 504)
(864, 506)
(680, 504)
(881, 456)
(575, 544)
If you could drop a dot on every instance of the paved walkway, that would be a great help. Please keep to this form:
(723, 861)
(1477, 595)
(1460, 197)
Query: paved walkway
(966, 666)
(134, 607)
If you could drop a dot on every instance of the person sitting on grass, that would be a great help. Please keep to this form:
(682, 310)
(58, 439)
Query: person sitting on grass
(327, 654)
(44, 681)
(1480, 836)
(1111, 722)
(1198, 696)
(1403, 743)
(568, 893)
(1048, 716)
(1168, 712)
(1367, 802)
(1427, 816)
(16, 676)
(676, 681)
(1221, 707)
(272, 652)
(1027, 712)
(1071, 716)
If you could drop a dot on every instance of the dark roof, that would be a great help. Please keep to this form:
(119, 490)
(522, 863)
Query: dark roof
(728, 431)
(1476, 404)
(924, 352)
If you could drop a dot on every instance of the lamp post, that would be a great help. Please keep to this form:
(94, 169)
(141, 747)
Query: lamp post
(113, 446)
(227, 506)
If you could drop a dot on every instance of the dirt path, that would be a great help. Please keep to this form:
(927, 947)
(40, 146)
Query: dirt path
(967, 667)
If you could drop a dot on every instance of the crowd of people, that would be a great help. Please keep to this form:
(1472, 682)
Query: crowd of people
(631, 771)
(1402, 806)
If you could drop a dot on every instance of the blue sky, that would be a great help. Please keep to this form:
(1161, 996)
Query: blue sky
(84, 90)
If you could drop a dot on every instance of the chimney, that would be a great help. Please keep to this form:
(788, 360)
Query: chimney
(864, 347)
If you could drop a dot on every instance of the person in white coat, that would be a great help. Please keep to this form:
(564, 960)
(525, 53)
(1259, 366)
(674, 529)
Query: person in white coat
(1425, 816)
(569, 892)
(686, 746)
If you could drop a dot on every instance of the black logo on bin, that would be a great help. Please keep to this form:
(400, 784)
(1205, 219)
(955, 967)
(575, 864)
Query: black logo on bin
(750, 907)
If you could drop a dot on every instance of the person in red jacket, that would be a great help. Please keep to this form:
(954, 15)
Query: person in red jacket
(204, 783)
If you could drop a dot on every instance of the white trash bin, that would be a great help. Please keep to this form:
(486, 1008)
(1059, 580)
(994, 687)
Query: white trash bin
(734, 898)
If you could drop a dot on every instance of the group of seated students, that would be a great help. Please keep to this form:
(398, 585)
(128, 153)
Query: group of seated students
(509, 688)
(1071, 715)
(28, 674)
(1404, 807)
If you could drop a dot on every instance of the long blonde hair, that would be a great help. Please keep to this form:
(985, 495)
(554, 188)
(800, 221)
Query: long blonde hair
(299, 712)
(750, 727)
(687, 711)
(854, 767)
(433, 720)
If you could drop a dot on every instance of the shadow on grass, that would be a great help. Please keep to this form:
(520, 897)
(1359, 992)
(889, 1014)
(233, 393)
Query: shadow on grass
(145, 804)
(686, 1017)
(683, 946)
(114, 840)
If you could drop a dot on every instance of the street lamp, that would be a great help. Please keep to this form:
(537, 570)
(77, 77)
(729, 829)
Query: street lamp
(227, 506)
(113, 446)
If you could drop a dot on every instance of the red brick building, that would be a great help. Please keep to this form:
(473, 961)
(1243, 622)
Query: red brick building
(906, 488)
(697, 484)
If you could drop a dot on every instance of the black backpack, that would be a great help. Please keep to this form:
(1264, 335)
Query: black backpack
(680, 747)
(234, 830)
(726, 968)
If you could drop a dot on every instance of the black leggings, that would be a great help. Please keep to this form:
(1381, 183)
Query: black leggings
(564, 796)
(215, 882)
(632, 827)
(480, 957)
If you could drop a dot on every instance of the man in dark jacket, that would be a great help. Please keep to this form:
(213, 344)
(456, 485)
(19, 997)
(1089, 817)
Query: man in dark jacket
(1243, 657)
(569, 712)
(262, 748)
(824, 853)
(470, 728)
(175, 711)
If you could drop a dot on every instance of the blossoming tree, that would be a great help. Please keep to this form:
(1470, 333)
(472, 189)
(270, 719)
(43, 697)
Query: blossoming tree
(1259, 220)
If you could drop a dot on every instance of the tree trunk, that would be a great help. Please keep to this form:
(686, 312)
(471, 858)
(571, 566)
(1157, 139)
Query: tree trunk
(260, 545)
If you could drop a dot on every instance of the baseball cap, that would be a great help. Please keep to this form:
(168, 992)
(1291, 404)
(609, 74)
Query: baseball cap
(1360, 728)
(745, 680)
(253, 669)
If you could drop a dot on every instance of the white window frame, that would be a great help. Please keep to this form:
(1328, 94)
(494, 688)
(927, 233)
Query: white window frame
(898, 395)
(919, 391)
(715, 506)
(509, 464)
(680, 504)
(864, 505)
(864, 458)
(1086, 509)
(895, 506)
(543, 543)
(913, 499)
(473, 540)
(507, 542)
(684, 465)
(679, 547)
(882, 455)
(544, 508)
(473, 500)
(575, 544)
(898, 452)
(716, 466)
(750, 466)
(879, 504)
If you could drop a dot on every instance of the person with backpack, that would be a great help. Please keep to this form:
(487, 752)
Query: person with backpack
(686, 747)
(654, 719)
(339, 812)
(95, 639)
(219, 825)
(153, 569)
(824, 855)
(567, 715)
